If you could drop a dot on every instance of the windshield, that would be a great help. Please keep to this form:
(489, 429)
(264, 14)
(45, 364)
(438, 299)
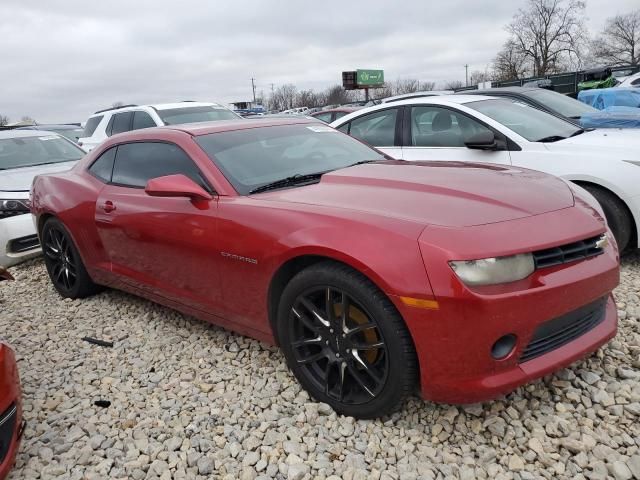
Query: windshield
(528, 122)
(31, 151)
(72, 134)
(208, 113)
(562, 104)
(258, 156)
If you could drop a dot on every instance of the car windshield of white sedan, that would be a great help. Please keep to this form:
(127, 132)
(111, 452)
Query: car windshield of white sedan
(255, 157)
(207, 113)
(21, 152)
(567, 106)
(528, 122)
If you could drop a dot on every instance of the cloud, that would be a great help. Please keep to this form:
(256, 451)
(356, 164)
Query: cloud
(61, 60)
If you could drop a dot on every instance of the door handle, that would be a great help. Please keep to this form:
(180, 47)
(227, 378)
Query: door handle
(108, 206)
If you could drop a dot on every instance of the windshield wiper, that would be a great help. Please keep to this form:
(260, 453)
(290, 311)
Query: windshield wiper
(551, 138)
(578, 132)
(296, 179)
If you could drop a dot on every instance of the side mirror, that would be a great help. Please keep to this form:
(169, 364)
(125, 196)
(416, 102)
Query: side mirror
(482, 141)
(176, 186)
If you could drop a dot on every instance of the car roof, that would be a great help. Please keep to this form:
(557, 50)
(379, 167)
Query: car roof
(57, 126)
(157, 106)
(337, 109)
(15, 133)
(424, 93)
(487, 91)
(437, 100)
(205, 128)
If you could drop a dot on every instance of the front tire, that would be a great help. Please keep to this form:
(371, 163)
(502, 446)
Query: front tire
(618, 217)
(64, 264)
(345, 341)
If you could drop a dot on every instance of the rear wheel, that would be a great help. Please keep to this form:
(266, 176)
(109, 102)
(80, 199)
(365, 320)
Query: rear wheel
(618, 216)
(64, 265)
(345, 342)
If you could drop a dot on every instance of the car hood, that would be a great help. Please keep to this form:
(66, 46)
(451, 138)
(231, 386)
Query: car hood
(435, 193)
(20, 179)
(608, 141)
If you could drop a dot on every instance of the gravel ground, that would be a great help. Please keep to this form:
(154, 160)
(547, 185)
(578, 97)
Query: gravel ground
(189, 400)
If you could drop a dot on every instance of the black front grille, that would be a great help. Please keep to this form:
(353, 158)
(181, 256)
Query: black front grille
(7, 428)
(569, 252)
(562, 330)
(24, 244)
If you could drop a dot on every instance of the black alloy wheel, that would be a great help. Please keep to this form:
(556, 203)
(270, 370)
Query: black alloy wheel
(64, 264)
(60, 258)
(345, 341)
(338, 345)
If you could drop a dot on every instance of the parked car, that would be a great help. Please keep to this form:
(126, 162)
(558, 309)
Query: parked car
(23, 155)
(374, 276)
(484, 129)
(104, 123)
(72, 132)
(11, 423)
(564, 107)
(333, 114)
(630, 81)
(406, 96)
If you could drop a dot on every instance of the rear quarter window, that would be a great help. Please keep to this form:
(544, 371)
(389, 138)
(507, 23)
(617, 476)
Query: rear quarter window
(91, 125)
(102, 168)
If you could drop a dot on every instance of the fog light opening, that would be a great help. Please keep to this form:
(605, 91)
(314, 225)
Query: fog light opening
(504, 346)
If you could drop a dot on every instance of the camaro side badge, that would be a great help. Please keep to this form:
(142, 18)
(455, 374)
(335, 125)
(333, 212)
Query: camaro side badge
(602, 242)
(239, 257)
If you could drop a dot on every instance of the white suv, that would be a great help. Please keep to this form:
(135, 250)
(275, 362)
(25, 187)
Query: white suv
(105, 123)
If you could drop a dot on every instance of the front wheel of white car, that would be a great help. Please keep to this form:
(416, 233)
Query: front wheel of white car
(618, 216)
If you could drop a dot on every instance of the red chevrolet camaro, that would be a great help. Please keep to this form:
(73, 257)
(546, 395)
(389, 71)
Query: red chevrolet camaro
(374, 276)
(11, 425)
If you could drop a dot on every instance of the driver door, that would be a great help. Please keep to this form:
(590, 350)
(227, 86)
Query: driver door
(161, 245)
(433, 132)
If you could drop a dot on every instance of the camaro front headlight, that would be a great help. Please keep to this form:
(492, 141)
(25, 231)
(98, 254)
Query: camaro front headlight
(492, 271)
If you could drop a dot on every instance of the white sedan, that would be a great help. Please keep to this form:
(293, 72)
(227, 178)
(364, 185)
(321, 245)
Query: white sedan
(484, 129)
(23, 155)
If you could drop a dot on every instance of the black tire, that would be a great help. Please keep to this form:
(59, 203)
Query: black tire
(64, 264)
(366, 371)
(618, 216)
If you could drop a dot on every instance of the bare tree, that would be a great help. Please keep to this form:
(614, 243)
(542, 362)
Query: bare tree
(337, 95)
(117, 104)
(619, 42)
(28, 120)
(510, 63)
(550, 33)
(306, 98)
(453, 84)
(427, 86)
(4, 120)
(405, 85)
(284, 97)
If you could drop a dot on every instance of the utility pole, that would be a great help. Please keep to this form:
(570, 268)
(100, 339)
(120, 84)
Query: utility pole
(466, 75)
(272, 89)
(253, 87)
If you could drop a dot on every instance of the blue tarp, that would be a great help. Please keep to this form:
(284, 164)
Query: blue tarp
(611, 97)
(612, 117)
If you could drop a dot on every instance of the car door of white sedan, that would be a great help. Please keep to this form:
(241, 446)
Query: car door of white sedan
(434, 132)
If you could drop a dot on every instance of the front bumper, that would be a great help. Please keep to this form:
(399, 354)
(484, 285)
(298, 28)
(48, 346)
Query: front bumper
(11, 422)
(455, 342)
(18, 240)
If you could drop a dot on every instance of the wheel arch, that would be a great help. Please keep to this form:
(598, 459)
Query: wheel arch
(634, 221)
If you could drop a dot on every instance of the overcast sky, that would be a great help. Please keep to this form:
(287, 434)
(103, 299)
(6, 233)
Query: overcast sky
(61, 60)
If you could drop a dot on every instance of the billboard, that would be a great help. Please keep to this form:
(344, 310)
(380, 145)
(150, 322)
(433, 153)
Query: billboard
(370, 78)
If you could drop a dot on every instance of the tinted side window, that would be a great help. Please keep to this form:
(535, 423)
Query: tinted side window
(137, 163)
(344, 128)
(91, 125)
(121, 122)
(102, 168)
(142, 120)
(325, 117)
(377, 129)
(340, 115)
(440, 127)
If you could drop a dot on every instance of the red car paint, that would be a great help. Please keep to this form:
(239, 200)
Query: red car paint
(10, 398)
(397, 223)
